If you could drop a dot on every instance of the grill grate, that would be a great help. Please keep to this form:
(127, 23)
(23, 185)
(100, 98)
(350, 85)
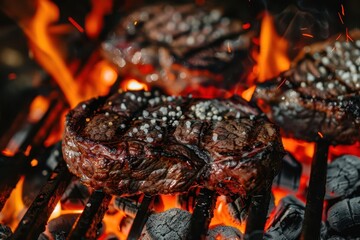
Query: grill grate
(34, 221)
(87, 224)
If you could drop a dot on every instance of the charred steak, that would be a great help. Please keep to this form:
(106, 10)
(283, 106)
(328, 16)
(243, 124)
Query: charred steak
(157, 144)
(175, 46)
(320, 95)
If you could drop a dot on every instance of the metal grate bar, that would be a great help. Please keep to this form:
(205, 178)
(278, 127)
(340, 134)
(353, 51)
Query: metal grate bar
(257, 215)
(86, 226)
(316, 192)
(202, 215)
(34, 221)
(141, 218)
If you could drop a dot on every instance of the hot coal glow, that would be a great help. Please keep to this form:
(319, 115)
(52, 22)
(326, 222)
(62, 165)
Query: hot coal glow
(74, 80)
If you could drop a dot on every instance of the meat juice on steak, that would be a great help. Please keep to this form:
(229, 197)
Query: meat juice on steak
(174, 46)
(319, 96)
(146, 142)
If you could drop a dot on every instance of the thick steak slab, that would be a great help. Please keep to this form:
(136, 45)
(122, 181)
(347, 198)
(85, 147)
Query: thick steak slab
(319, 96)
(156, 144)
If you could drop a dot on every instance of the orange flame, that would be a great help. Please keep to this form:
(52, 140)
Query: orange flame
(273, 57)
(45, 50)
(37, 24)
(94, 20)
(37, 108)
(14, 208)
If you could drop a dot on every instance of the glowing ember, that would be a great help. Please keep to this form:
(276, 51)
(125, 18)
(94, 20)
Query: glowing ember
(34, 162)
(308, 35)
(57, 211)
(133, 85)
(273, 51)
(75, 24)
(247, 94)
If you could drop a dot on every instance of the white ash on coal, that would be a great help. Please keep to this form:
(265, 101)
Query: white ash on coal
(175, 224)
(287, 222)
(290, 173)
(288, 219)
(5, 232)
(171, 224)
(344, 217)
(343, 177)
(224, 232)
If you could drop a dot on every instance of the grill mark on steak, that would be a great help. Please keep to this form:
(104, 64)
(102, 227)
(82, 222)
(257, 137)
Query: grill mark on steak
(321, 93)
(206, 142)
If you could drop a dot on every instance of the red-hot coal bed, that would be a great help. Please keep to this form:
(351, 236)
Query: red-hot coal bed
(179, 120)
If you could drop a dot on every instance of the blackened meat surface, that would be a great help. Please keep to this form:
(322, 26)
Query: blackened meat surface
(319, 96)
(173, 46)
(147, 142)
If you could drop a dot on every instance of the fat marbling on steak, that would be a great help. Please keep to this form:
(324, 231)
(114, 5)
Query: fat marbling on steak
(147, 142)
(319, 96)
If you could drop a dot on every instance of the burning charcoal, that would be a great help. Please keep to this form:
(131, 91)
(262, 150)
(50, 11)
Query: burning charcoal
(343, 177)
(75, 196)
(127, 205)
(238, 208)
(287, 222)
(172, 224)
(344, 216)
(224, 232)
(5, 232)
(62, 224)
(290, 173)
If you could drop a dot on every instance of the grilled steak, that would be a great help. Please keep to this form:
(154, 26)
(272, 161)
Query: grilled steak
(320, 95)
(175, 46)
(147, 142)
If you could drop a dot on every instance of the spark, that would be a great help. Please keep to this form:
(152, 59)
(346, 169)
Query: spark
(246, 26)
(342, 10)
(282, 83)
(12, 76)
(348, 36)
(338, 36)
(342, 21)
(228, 47)
(75, 24)
(333, 49)
(307, 35)
(320, 134)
